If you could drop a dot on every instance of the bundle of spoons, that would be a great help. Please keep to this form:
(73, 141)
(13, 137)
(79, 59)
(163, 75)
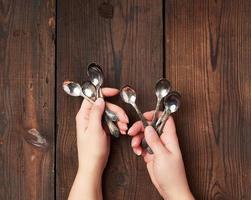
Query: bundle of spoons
(91, 90)
(170, 99)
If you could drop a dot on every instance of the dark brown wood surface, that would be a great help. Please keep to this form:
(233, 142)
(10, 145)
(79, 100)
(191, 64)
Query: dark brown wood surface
(125, 37)
(27, 30)
(202, 46)
(208, 59)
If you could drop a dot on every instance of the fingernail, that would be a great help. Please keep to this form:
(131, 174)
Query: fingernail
(138, 152)
(123, 132)
(99, 101)
(126, 118)
(124, 126)
(133, 143)
(129, 132)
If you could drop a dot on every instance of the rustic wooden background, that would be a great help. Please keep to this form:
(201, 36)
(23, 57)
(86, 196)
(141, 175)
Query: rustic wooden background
(202, 46)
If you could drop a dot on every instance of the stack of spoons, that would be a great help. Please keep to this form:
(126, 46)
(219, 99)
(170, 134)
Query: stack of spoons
(170, 99)
(91, 90)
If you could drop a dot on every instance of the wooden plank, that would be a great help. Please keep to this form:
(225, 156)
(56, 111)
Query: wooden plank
(27, 99)
(125, 37)
(208, 59)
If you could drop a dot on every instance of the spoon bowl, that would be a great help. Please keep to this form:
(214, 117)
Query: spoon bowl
(72, 88)
(162, 88)
(89, 90)
(96, 75)
(172, 102)
(128, 95)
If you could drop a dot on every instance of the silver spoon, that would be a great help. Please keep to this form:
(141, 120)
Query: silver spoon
(74, 89)
(172, 104)
(128, 95)
(162, 88)
(96, 76)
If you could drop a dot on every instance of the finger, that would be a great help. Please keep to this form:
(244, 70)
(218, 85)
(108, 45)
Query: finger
(169, 136)
(149, 115)
(108, 92)
(154, 141)
(136, 140)
(96, 113)
(82, 116)
(136, 128)
(147, 157)
(137, 150)
(122, 126)
(118, 111)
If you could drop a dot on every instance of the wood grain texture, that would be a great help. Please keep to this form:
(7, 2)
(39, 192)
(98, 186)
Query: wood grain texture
(27, 99)
(208, 59)
(125, 37)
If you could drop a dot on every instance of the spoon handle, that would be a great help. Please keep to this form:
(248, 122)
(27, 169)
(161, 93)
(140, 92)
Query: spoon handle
(154, 120)
(145, 124)
(142, 118)
(160, 119)
(112, 127)
(108, 112)
(164, 120)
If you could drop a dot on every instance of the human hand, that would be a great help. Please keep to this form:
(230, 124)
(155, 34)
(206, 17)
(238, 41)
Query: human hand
(93, 146)
(92, 141)
(165, 166)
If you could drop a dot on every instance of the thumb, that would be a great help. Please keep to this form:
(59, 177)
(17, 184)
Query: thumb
(154, 141)
(96, 113)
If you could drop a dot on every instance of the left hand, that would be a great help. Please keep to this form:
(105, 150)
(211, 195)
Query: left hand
(92, 141)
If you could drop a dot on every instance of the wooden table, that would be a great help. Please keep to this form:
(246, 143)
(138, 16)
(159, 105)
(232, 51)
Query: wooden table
(202, 46)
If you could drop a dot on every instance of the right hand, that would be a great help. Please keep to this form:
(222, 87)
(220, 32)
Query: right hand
(165, 166)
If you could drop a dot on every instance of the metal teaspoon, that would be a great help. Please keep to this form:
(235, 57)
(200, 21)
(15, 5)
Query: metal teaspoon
(162, 88)
(96, 76)
(172, 104)
(128, 95)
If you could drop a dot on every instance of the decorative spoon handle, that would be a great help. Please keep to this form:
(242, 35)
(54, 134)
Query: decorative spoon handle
(112, 127)
(145, 124)
(163, 122)
(154, 120)
(160, 119)
(108, 112)
(142, 118)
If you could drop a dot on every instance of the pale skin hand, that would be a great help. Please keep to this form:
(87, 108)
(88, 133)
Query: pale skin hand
(165, 166)
(93, 146)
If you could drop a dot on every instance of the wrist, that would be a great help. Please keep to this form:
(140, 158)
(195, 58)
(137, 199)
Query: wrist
(87, 185)
(187, 195)
(90, 175)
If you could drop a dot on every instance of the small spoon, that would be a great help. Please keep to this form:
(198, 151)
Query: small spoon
(74, 89)
(172, 104)
(96, 77)
(162, 88)
(128, 95)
